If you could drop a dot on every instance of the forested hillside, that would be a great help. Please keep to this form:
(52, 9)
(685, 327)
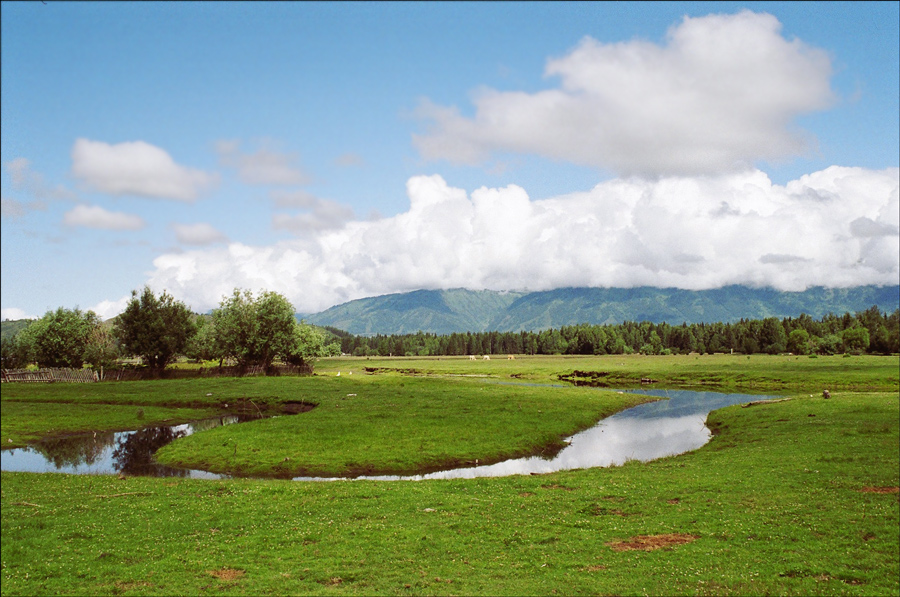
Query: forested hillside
(449, 311)
(870, 331)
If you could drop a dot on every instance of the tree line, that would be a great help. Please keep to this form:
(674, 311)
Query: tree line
(869, 331)
(245, 330)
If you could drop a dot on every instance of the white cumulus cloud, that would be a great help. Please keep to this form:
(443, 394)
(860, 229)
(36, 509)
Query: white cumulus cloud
(94, 216)
(109, 309)
(14, 314)
(836, 228)
(137, 168)
(719, 95)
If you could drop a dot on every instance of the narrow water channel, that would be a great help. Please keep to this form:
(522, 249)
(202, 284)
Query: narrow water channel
(646, 432)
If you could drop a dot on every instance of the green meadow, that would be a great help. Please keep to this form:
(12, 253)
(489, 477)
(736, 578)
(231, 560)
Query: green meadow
(797, 497)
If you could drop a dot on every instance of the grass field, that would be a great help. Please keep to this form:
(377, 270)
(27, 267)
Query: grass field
(796, 498)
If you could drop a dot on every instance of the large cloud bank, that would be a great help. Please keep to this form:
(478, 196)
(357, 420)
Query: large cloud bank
(838, 227)
(720, 94)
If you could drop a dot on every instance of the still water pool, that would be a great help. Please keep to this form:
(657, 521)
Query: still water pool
(673, 425)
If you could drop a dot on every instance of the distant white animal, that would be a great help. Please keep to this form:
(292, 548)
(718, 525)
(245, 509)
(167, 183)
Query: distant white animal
(486, 357)
(471, 357)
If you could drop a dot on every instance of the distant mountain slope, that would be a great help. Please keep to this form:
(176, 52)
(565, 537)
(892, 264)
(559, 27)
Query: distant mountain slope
(448, 311)
(10, 328)
(436, 311)
(570, 306)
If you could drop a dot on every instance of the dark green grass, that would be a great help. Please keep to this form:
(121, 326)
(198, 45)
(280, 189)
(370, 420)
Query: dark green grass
(780, 502)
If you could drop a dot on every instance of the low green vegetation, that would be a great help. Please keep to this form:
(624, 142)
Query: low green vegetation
(796, 497)
(398, 425)
(753, 373)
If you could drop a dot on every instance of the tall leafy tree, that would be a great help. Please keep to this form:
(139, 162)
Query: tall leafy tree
(255, 331)
(58, 339)
(155, 328)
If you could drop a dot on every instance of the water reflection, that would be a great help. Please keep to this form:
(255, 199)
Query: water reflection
(126, 452)
(645, 432)
(66, 453)
(134, 453)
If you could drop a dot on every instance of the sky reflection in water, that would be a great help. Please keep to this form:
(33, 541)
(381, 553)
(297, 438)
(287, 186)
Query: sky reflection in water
(109, 453)
(645, 432)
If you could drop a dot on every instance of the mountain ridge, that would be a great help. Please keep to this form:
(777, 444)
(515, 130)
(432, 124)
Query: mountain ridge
(459, 310)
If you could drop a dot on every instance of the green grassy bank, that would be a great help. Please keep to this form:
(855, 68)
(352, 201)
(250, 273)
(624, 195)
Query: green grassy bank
(719, 372)
(790, 498)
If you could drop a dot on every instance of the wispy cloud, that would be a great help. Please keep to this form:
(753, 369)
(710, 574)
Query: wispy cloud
(264, 167)
(720, 95)
(137, 168)
(13, 208)
(198, 234)
(350, 160)
(26, 179)
(94, 216)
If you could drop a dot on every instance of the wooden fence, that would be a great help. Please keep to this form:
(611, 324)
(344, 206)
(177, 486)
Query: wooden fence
(89, 375)
(49, 375)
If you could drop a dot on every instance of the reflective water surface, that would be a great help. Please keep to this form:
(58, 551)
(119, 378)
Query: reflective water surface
(645, 432)
(654, 430)
(109, 453)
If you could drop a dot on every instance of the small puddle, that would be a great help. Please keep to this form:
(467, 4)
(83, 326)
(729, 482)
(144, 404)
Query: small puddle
(645, 432)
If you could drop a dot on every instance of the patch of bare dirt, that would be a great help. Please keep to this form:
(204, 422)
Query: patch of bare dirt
(651, 542)
(880, 490)
(294, 407)
(598, 510)
(122, 586)
(227, 574)
(555, 486)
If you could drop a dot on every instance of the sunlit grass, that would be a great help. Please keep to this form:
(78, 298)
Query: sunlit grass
(791, 498)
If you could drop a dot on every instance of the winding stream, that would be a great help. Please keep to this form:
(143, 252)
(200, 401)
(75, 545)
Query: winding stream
(645, 432)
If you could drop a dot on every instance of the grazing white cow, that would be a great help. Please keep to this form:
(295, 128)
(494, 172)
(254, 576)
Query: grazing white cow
(486, 357)
(471, 357)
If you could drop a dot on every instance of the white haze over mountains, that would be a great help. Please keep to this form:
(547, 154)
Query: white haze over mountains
(838, 227)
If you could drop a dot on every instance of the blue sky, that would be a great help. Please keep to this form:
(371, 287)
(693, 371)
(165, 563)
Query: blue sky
(332, 151)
